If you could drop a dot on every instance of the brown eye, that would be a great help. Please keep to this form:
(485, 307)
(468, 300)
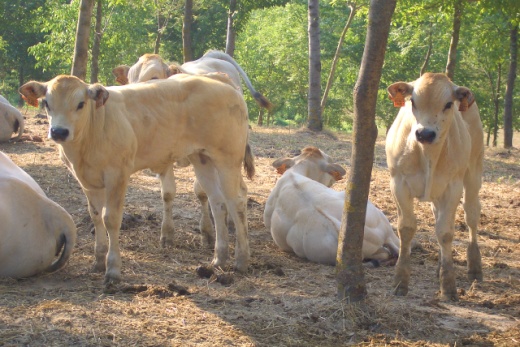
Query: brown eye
(80, 105)
(448, 106)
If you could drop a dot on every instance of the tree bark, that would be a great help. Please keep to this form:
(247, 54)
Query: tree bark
(94, 65)
(424, 66)
(80, 59)
(508, 98)
(313, 99)
(349, 269)
(496, 102)
(187, 49)
(231, 34)
(352, 7)
(452, 55)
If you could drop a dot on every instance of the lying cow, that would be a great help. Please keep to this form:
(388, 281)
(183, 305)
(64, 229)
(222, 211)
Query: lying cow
(11, 121)
(34, 229)
(106, 134)
(152, 66)
(434, 152)
(304, 214)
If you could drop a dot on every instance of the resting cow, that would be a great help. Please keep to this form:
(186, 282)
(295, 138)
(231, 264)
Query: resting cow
(11, 121)
(37, 234)
(106, 134)
(304, 214)
(434, 152)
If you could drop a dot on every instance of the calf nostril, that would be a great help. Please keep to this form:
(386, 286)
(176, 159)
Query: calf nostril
(59, 134)
(425, 135)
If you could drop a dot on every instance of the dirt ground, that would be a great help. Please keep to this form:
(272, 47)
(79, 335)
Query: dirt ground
(282, 300)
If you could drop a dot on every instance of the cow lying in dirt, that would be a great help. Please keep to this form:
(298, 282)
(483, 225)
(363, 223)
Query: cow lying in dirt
(434, 152)
(11, 121)
(304, 214)
(34, 229)
(106, 134)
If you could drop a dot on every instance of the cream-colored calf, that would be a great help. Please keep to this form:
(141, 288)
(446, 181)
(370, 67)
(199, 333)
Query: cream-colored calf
(37, 234)
(11, 121)
(106, 134)
(434, 152)
(304, 214)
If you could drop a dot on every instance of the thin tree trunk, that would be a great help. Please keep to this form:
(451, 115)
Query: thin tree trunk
(187, 49)
(231, 34)
(94, 65)
(452, 55)
(424, 66)
(349, 269)
(313, 99)
(508, 98)
(80, 59)
(261, 117)
(352, 7)
(496, 102)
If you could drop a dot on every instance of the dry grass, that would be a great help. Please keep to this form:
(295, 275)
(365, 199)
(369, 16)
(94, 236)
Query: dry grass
(283, 300)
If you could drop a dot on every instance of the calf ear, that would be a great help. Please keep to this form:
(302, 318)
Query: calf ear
(173, 69)
(465, 96)
(98, 93)
(32, 91)
(281, 165)
(335, 171)
(121, 74)
(398, 91)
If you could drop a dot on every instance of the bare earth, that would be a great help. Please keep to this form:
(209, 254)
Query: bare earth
(283, 300)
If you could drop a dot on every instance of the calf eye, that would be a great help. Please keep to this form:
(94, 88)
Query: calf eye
(413, 103)
(448, 106)
(45, 104)
(80, 105)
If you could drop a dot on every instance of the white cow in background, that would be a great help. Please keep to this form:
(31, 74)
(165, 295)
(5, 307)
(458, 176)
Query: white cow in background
(37, 234)
(434, 152)
(11, 121)
(304, 214)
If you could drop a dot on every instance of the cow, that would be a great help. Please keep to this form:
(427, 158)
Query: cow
(37, 234)
(434, 152)
(304, 214)
(104, 134)
(152, 66)
(11, 121)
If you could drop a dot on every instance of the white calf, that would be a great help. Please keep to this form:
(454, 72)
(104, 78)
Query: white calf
(304, 214)
(11, 121)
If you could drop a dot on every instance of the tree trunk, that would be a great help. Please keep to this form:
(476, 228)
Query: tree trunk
(508, 98)
(94, 65)
(80, 59)
(313, 99)
(424, 66)
(231, 34)
(352, 7)
(187, 49)
(496, 102)
(349, 269)
(260, 117)
(452, 55)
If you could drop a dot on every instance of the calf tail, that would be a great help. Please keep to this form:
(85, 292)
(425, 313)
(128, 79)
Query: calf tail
(64, 245)
(249, 162)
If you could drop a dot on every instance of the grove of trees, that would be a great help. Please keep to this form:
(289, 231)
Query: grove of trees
(270, 39)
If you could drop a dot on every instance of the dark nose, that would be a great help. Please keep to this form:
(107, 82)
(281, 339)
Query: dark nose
(425, 135)
(59, 134)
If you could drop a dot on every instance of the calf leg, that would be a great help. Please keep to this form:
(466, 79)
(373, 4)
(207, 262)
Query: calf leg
(168, 191)
(206, 227)
(96, 201)
(472, 183)
(406, 228)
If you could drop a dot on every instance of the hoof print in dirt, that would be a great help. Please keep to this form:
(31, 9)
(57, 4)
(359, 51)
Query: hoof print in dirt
(205, 271)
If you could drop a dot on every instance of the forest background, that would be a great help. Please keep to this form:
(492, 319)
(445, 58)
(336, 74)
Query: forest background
(271, 42)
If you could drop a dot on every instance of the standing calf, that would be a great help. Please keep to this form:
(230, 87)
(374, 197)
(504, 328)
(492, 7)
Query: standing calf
(34, 229)
(304, 214)
(106, 134)
(434, 152)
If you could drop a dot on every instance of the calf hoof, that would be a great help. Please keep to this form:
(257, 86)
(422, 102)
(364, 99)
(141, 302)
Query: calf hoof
(449, 296)
(165, 243)
(400, 290)
(99, 266)
(112, 278)
(475, 275)
(241, 267)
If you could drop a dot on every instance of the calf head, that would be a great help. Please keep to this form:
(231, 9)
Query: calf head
(314, 164)
(68, 102)
(434, 101)
(148, 67)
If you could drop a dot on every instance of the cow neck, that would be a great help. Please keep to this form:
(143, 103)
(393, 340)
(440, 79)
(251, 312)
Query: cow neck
(429, 160)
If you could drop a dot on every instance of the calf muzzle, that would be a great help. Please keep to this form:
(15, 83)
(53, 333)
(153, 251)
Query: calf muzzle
(59, 134)
(425, 135)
